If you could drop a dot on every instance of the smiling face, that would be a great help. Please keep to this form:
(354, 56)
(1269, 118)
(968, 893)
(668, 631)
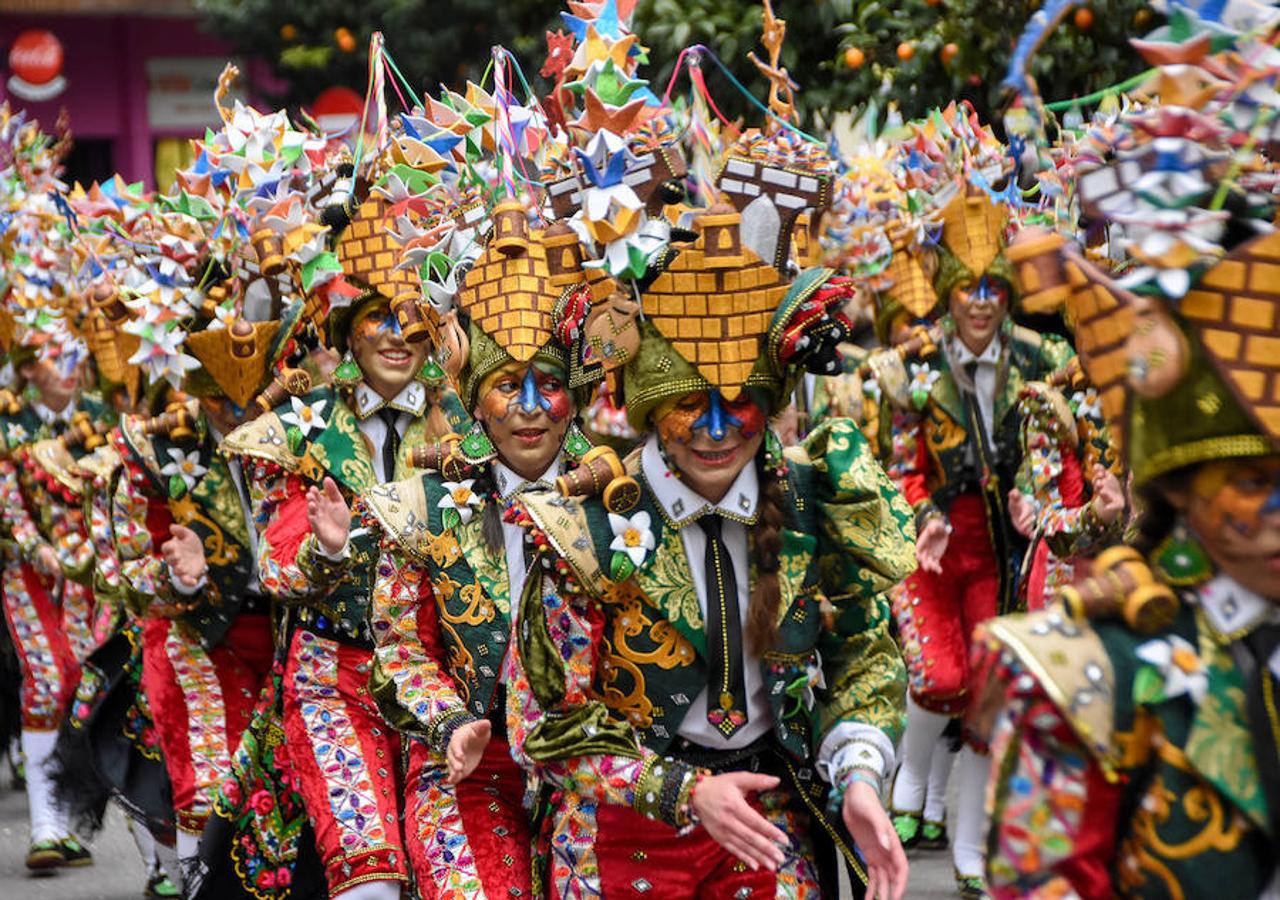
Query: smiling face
(1233, 507)
(387, 361)
(526, 410)
(55, 389)
(978, 308)
(710, 440)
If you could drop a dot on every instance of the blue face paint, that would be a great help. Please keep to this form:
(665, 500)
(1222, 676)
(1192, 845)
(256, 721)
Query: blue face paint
(1273, 500)
(716, 419)
(531, 399)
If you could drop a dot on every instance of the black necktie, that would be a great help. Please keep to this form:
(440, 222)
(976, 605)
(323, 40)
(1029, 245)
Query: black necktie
(1264, 715)
(979, 443)
(727, 687)
(390, 443)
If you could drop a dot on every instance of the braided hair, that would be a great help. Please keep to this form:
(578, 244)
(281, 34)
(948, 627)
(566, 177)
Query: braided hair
(766, 547)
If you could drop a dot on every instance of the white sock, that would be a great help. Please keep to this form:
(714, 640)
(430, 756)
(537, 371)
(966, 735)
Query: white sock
(167, 859)
(371, 890)
(46, 819)
(924, 732)
(968, 846)
(935, 800)
(145, 843)
(188, 845)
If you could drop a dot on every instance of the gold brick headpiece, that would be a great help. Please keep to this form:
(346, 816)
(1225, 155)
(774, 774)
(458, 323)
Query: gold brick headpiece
(715, 301)
(368, 253)
(971, 229)
(512, 290)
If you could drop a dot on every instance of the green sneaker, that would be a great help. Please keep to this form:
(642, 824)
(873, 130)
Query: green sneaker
(908, 827)
(74, 853)
(933, 836)
(971, 887)
(159, 887)
(44, 857)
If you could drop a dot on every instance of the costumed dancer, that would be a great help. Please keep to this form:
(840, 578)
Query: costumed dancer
(452, 570)
(308, 460)
(962, 465)
(879, 231)
(1066, 499)
(1133, 726)
(707, 644)
(48, 616)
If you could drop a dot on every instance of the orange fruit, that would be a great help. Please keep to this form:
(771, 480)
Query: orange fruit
(1083, 18)
(345, 39)
(289, 32)
(906, 50)
(948, 53)
(854, 57)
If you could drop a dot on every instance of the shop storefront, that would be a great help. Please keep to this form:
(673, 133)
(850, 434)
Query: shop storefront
(135, 76)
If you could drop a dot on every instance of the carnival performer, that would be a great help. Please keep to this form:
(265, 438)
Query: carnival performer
(452, 570)
(1132, 725)
(308, 460)
(49, 615)
(708, 645)
(1052, 504)
(187, 554)
(962, 466)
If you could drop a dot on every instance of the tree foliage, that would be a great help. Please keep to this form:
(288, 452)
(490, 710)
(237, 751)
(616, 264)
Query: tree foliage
(312, 44)
(843, 53)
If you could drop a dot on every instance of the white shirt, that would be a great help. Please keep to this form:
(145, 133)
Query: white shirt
(1232, 608)
(508, 484)
(984, 378)
(409, 403)
(51, 417)
(681, 507)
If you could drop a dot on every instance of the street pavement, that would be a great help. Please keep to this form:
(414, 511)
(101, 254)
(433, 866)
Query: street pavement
(117, 873)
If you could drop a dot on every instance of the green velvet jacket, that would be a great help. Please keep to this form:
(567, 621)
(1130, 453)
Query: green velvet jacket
(1123, 762)
(611, 655)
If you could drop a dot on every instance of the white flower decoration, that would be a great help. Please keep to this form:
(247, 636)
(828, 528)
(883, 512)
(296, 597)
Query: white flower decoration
(923, 378)
(308, 417)
(1180, 665)
(1087, 403)
(460, 497)
(632, 536)
(185, 465)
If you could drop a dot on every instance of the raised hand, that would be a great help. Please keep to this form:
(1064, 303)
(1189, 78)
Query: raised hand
(46, 561)
(184, 554)
(466, 746)
(1108, 497)
(329, 515)
(1022, 513)
(882, 851)
(931, 544)
(720, 803)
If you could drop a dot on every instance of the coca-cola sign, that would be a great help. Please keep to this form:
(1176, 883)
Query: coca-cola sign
(35, 65)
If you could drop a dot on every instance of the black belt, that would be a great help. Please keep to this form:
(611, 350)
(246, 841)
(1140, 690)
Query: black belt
(497, 714)
(761, 755)
(324, 626)
(254, 603)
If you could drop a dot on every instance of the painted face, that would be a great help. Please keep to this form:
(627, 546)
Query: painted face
(56, 389)
(526, 410)
(225, 415)
(1234, 509)
(709, 440)
(386, 360)
(978, 308)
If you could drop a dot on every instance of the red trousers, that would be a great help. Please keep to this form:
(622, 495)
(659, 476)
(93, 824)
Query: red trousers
(39, 626)
(470, 839)
(638, 857)
(201, 701)
(345, 760)
(937, 612)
